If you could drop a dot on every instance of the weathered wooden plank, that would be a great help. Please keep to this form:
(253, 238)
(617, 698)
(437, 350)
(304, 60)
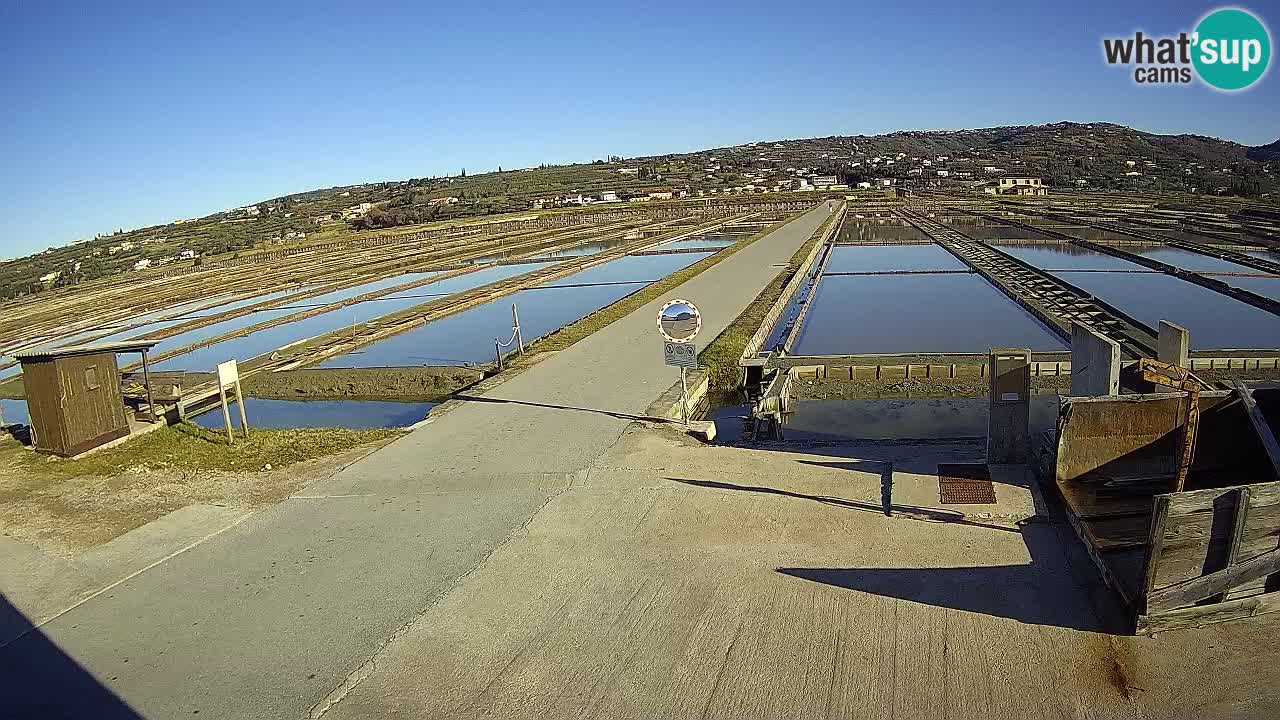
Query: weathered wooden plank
(1201, 615)
(1118, 533)
(1239, 513)
(1086, 501)
(1126, 436)
(1155, 546)
(1196, 541)
(1196, 589)
(1179, 564)
(1261, 535)
(1260, 494)
(1247, 590)
(44, 407)
(1260, 425)
(1112, 581)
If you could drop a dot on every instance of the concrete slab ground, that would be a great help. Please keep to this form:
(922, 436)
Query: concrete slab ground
(283, 613)
(43, 584)
(683, 581)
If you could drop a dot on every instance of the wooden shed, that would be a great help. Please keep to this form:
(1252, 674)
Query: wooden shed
(74, 396)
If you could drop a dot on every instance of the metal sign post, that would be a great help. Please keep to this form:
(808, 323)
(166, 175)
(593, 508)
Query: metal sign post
(684, 398)
(680, 321)
(229, 377)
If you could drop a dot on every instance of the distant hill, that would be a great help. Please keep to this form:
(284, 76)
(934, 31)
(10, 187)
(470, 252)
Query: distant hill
(1095, 151)
(1096, 156)
(1265, 153)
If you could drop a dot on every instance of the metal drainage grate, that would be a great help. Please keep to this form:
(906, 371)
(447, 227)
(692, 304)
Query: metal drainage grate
(965, 484)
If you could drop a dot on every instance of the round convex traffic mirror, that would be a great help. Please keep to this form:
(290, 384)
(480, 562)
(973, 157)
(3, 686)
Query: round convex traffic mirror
(679, 321)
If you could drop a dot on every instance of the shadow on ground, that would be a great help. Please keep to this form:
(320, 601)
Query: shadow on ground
(39, 680)
(552, 406)
(1042, 592)
(911, 512)
(867, 463)
(1051, 589)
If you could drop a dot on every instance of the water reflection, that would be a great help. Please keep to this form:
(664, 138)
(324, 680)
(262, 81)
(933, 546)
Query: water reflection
(14, 412)
(145, 323)
(1215, 320)
(1265, 286)
(916, 313)
(882, 258)
(1188, 260)
(703, 241)
(582, 250)
(853, 231)
(1000, 232)
(352, 414)
(467, 337)
(1065, 256)
(264, 341)
(1272, 255)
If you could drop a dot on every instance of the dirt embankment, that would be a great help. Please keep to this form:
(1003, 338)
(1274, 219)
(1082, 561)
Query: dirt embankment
(407, 384)
(844, 389)
(417, 384)
(67, 506)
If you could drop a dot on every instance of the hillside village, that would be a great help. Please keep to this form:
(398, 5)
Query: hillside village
(1061, 157)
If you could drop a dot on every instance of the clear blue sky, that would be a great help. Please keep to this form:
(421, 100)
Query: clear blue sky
(121, 114)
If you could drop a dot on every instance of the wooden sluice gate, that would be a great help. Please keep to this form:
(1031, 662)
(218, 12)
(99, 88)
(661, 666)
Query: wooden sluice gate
(768, 392)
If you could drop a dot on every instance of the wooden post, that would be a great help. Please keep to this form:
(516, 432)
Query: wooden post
(146, 380)
(1239, 514)
(515, 320)
(1261, 428)
(244, 421)
(226, 414)
(1155, 544)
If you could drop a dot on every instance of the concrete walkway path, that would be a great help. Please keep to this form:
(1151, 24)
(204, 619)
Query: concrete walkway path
(283, 613)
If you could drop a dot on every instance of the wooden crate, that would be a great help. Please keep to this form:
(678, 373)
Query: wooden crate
(1176, 559)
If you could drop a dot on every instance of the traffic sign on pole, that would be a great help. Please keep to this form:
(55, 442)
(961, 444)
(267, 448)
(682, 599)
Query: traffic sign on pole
(681, 355)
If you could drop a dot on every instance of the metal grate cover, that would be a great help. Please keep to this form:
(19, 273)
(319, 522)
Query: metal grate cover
(965, 484)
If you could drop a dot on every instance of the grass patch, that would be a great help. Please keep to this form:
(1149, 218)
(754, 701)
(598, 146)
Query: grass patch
(13, 389)
(720, 358)
(579, 329)
(187, 447)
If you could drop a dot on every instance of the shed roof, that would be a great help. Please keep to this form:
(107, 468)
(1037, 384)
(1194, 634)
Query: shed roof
(70, 350)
